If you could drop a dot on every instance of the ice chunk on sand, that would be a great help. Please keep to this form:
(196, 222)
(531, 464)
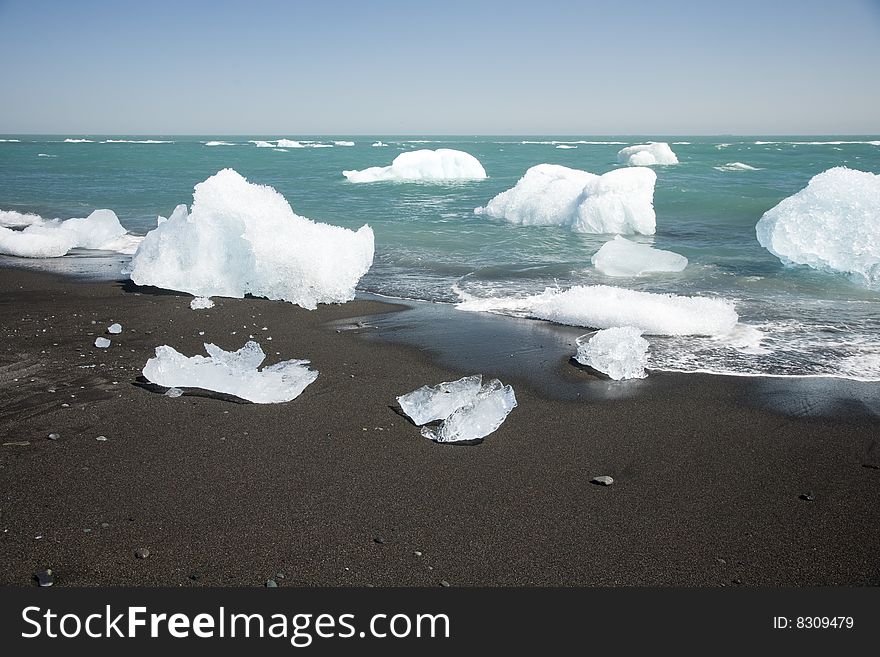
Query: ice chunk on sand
(114, 329)
(173, 392)
(102, 343)
(621, 257)
(646, 155)
(201, 303)
(51, 239)
(425, 165)
(620, 201)
(430, 403)
(242, 238)
(604, 306)
(833, 224)
(470, 411)
(620, 352)
(231, 372)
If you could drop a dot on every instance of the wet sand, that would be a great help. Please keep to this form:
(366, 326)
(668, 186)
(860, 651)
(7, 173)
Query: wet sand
(337, 488)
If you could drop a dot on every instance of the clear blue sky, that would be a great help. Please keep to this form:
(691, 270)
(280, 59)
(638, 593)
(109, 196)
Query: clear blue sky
(440, 67)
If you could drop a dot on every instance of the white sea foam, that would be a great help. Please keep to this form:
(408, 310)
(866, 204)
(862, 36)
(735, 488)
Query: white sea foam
(650, 154)
(78, 141)
(621, 257)
(14, 219)
(219, 143)
(41, 238)
(136, 141)
(423, 165)
(833, 224)
(620, 201)
(379, 144)
(565, 146)
(736, 166)
(45, 155)
(554, 142)
(262, 144)
(343, 143)
(10, 141)
(602, 306)
(818, 143)
(242, 238)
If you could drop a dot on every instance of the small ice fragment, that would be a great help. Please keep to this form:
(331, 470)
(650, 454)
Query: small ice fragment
(102, 343)
(425, 165)
(201, 303)
(430, 403)
(114, 329)
(173, 392)
(621, 257)
(231, 372)
(646, 155)
(620, 352)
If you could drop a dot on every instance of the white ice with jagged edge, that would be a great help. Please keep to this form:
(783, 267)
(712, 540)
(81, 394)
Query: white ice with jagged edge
(604, 306)
(231, 372)
(423, 165)
(620, 201)
(243, 238)
(833, 224)
(43, 238)
(430, 403)
(647, 155)
(620, 352)
(621, 257)
(469, 410)
(201, 303)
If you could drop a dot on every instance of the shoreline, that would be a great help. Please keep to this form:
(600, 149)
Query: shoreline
(707, 486)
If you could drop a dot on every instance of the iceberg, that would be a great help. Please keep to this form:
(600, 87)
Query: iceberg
(620, 201)
(604, 306)
(231, 372)
(241, 238)
(621, 257)
(833, 225)
(43, 238)
(620, 352)
(426, 165)
(646, 155)
(470, 410)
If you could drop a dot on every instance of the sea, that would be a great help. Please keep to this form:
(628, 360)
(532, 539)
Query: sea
(432, 248)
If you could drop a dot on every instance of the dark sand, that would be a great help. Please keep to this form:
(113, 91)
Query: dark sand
(706, 491)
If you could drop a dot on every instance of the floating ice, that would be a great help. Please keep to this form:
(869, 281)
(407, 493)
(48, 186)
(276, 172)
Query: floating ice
(620, 201)
(379, 143)
(13, 219)
(620, 257)
(242, 238)
(424, 164)
(114, 329)
(603, 306)
(620, 352)
(262, 144)
(231, 372)
(51, 239)
(343, 143)
(219, 143)
(136, 141)
(833, 224)
(289, 143)
(102, 343)
(201, 303)
(736, 166)
(470, 411)
(565, 146)
(78, 141)
(646, 155)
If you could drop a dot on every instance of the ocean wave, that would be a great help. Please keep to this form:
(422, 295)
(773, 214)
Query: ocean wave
(10, 141)
(219, 143)
(556, 142)
(818, 143)
(71, 140)
(136, 141)
(45, 155)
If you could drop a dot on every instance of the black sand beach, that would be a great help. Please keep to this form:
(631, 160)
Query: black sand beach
(336, 488)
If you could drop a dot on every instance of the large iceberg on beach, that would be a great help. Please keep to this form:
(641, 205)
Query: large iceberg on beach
(833, 224)
(42, 238)
(241, 238)
(425, 165)
(604, 306)
(620, 201)
(621, 257)
(620, 352)
(469, 410)
(647, 155)
(231, 372)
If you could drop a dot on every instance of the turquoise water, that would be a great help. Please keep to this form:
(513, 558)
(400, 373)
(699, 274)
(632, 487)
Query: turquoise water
(428, 239)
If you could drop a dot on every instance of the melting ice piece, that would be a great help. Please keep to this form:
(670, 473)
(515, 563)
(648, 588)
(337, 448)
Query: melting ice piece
(231, 372)
(833, 224)
(620, 201)
(241, 238)
(425, 164)
(114, 329)
(621, 257)
(736, 166)
(620, 352)
(43, 238)
(173, 392)
(478, 418)
(201, 303)
(469, 410)
(646, 155)
(102, 343)
(604, 306)
(430, 403)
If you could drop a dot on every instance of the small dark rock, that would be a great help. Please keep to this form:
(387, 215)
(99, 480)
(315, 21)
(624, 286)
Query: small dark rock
(444, 583)
(807, 497)
(142, 553)
(271, 584)
(379, 540)
(279, 575)
(604, 480)
(194, 576)
(45, 577)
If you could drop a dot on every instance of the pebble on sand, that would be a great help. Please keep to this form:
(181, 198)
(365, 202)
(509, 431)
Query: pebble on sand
(45, 577)
(142, 553)
(604, 480)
